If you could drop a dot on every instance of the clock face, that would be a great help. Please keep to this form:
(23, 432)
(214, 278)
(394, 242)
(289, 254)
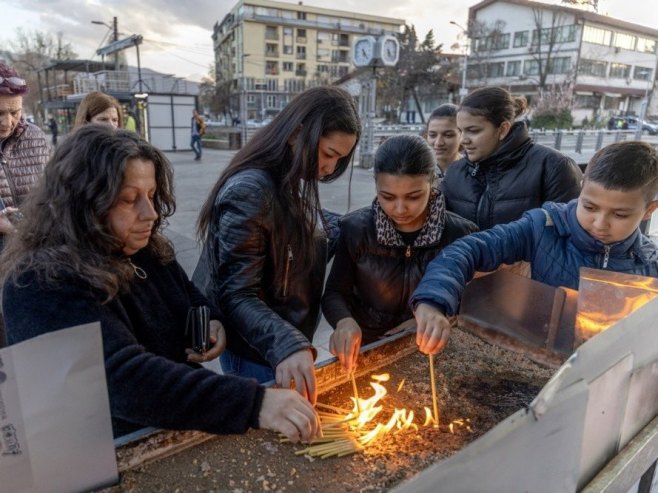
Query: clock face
(364, 51)
(390, 51)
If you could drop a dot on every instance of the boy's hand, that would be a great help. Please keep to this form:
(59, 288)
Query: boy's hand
(345, 343)
(432, 329)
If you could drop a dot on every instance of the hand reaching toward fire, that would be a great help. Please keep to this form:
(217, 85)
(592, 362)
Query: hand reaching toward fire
(285, 411)
(432, 329)
(298, 372)
(345, 343)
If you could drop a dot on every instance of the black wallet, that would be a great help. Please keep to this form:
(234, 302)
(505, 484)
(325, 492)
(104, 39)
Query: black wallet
(197, 328)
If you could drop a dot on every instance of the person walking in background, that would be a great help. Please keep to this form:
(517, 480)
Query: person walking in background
(98, 107)
(24, 152)
(91, 249)
(503, 173)
(383, 249)
(52, 126)
(198, 127)
(443, 135)
(266, 238)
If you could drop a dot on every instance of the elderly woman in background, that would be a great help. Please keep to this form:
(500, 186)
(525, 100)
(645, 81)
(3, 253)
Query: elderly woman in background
(98, 107)
(24, 151)
(95, 252)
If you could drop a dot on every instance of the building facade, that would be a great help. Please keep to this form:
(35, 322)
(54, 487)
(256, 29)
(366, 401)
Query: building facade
(605, 66)
(269, 51)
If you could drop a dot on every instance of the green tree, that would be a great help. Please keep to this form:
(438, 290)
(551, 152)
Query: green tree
(417, 74)
(31, 50)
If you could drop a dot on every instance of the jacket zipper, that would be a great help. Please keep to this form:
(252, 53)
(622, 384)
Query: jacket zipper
(606, 256)
(407, 252)
(288, 264)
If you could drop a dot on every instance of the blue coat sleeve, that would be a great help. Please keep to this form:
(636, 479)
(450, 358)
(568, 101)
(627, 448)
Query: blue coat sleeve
(447, 275)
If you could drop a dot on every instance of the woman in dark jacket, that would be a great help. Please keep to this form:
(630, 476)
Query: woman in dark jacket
(90, 249)
(266, 245)
(383, 249)
(503, 173)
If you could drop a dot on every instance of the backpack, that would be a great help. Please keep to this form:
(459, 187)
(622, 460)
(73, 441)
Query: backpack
(201, 125)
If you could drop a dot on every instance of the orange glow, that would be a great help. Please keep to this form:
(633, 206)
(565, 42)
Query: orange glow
(362, 423)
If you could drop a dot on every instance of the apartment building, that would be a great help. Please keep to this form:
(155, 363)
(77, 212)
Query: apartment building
(608, 65)
(269, 51)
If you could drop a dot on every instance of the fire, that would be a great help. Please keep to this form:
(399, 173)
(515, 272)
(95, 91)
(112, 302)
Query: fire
(621, 299)
(348, 431)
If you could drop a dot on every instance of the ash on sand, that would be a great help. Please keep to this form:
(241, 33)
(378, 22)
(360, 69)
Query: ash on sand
(475, 380)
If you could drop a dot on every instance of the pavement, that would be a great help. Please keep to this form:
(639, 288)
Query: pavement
(193, 181)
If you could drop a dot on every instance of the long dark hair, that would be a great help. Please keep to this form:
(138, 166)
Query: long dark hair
(312, 114)
(65, 216)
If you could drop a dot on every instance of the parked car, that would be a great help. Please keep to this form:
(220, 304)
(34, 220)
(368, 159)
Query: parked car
(647, 127)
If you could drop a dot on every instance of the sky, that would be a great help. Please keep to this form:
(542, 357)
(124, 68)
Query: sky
(177, 34)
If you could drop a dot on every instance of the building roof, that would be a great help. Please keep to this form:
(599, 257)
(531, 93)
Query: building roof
(578, 13)
(78, 65)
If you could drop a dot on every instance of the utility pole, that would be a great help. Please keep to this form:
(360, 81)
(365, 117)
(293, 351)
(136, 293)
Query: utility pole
(115, 37)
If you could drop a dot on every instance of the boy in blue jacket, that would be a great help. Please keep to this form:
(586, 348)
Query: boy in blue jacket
(600, 230)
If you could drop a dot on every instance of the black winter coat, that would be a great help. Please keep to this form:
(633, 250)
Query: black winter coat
(520, 176)
(374, 273)
(269, 309)
(149, 380)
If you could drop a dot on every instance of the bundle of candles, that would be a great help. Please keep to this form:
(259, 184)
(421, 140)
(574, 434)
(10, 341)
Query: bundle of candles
(347, 431)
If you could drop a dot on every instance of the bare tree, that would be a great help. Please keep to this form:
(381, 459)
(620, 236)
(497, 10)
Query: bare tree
(587, 4)
(31, 50)
(486, 38)
(547, 39)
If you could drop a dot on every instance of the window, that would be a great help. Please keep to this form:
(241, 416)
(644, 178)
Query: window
(565, 34)
(271, 50)
(624, 41)
(497, 69)
(583, 101)
(521, 39)
(646, 45)
(272, 84)
(323, 69)
(287, 49)
(251, 98)
(301, 70)
(324, 37)
(620, 71)
(270, 101)
(513, 69)
(301, 52)
(339, 56)
(531, 67)
(271, 32)
(287, 31)
(642, 73)
(288, 66)
(560, 65)
(301, 33)
(301, 16)
(324, 54)
(592, 67)
(493, 42)
(271, 68)
(597, 35)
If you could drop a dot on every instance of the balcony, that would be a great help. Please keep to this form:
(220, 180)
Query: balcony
(301, 72)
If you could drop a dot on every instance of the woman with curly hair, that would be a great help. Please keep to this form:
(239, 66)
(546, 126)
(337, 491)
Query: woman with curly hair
(91, 249)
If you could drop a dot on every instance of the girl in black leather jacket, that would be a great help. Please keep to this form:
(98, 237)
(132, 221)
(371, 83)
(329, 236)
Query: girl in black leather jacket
(383, 249)
(266, 244)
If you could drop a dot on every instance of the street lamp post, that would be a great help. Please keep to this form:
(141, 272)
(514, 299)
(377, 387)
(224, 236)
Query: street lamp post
(115, 36)
(463, 91)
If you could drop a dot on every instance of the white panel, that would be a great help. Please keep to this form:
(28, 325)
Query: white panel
(159, 115)
(162, 138)
(605, 411)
